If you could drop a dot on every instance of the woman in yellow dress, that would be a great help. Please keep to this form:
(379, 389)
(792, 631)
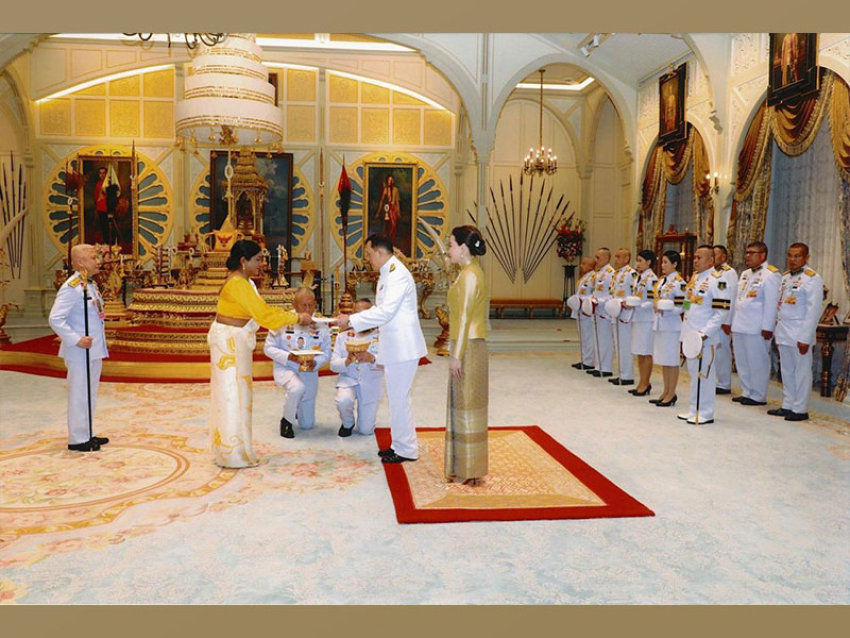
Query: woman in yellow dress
(232, 338)
(466, 422)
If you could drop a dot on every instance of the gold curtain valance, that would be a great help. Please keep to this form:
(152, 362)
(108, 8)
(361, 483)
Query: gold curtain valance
(677, 158)
(795, 124)
(840, 126)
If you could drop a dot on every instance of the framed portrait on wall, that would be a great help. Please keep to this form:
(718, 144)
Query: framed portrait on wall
(276, 209)
(793, 66)
(110, 214)
(391, 203)
(671, 118)
(682, 243)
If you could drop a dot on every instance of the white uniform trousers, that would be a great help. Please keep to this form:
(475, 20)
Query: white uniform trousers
(707, 385)
(301, 399)
(366, 412)
(723, 361)
(588, 348)
(623, 340)
(78, 410)
(796, 378)
(399, 379)
(752, 357)
(605, 336)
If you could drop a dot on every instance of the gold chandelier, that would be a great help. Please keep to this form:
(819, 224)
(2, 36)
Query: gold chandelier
(540, 161)
(192, 40)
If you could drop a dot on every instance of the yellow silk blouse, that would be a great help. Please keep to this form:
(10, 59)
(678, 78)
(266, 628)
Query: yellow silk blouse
(239, 299)
(468, 298)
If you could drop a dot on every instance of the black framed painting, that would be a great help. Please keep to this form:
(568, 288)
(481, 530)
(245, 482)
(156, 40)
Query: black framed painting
(793, 66)
(671, 119)
(391, 203)
(106, 200)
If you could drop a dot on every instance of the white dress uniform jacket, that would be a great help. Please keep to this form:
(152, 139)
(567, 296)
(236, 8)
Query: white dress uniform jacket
(301, 387)
(395, 314)
(622, 286)
(360, 382)
(401, 345)
(755, 310)
(67, 319)
(604, 331)
(706, 306)
(723, 354)
(667, 324)
(643, 315)
(585, 289)
(800, 300)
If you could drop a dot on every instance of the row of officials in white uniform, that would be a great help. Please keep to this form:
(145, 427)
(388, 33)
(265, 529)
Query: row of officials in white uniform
(716, 312)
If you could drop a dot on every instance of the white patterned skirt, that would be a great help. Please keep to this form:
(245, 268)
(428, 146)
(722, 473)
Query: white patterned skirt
(231, 393)
(642, 337)
(666, 348)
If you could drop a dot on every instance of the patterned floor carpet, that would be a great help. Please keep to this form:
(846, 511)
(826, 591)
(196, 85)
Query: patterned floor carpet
(750, 510)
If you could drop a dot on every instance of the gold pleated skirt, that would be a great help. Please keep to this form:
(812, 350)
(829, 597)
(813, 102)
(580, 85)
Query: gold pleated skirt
(466, 416)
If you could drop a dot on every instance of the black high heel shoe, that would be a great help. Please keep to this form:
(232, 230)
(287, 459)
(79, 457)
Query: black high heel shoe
(655, 401)
(667, 404)
(641, 394)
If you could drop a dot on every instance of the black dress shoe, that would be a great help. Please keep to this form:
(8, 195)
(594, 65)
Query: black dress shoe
(607, 374)
(779, 412)
(667, 404)
(615, 381)
(722, 391)
(641, 394)
(738, 399)
(623, 382)
(388, 452)
(596, 373)
(89, 446)
(591, 370)
(797, 416)
(749, 401)
(286, 429)
(344, 431)
(395, 458)
(100, 440)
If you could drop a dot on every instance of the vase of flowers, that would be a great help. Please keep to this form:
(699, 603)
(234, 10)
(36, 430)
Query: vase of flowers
(570, 239)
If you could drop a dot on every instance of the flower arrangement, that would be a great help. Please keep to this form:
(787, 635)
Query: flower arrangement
(570, 239)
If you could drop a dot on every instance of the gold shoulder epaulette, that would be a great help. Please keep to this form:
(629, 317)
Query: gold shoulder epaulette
(75, 281)
(392, 267)
(772, 268)
(715, 273)
(809, 272)
(726, 267)
(679, 277)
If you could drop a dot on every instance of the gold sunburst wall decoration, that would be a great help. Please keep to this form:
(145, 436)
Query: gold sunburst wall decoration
(431, 197)
(155, 200)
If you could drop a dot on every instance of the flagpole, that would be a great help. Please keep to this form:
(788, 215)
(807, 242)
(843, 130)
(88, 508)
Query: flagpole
(322, 218)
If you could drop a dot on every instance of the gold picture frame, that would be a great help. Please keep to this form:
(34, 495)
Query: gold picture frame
(112, 217)
(391, 207)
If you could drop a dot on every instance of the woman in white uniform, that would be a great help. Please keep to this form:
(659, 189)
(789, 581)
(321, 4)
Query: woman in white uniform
(642, 320)
(668, 325)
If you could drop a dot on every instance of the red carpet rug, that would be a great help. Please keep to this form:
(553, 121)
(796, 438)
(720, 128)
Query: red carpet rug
(531, 476)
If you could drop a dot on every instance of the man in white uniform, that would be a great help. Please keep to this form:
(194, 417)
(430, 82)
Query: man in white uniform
(723, 355)
(67, 319)
(360, 379)
(584, 289)
(754, 322)
(604, 274)
(622, 286)
(301, 385)
(402, 344)
(706, 307)
(800, 300)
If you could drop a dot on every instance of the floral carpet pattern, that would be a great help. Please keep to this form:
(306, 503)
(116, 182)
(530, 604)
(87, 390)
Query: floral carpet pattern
(749, 510)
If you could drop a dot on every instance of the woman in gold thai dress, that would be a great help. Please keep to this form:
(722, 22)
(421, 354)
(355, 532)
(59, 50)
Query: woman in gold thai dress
(466, 422)
(232, 337)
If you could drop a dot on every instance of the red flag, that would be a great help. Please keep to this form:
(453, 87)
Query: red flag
(344, 189)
